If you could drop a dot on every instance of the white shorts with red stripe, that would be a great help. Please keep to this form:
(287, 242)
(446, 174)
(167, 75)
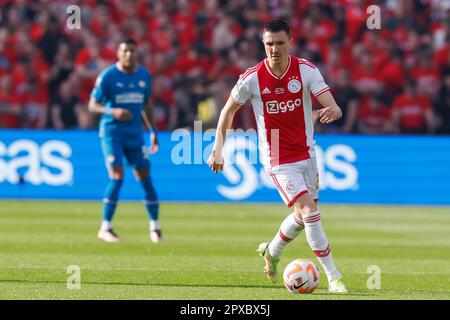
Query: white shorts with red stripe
(295, 179)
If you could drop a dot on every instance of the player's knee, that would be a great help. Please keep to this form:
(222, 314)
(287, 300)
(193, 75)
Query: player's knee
(117, 176)
(142, 174)
(116, 173)
(304, 205)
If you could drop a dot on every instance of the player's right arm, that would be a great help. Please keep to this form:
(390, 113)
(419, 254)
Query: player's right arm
(99, 93)
(225, 122)
(118, 113)
(239, 95)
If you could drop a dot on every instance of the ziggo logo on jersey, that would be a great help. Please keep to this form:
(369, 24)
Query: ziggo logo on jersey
(274, 106)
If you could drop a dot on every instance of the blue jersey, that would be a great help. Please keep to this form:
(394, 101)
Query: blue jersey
(117, 89)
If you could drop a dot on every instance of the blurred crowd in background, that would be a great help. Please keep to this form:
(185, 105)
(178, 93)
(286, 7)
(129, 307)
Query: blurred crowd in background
(392, 80)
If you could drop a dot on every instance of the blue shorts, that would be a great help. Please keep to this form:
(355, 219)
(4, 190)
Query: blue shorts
(114, 148)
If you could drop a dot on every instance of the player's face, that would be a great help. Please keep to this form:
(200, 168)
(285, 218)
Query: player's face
(127, 55)
(277, 45)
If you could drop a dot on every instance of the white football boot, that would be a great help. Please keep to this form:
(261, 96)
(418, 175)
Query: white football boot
(270, 268)
(108, 236)
(156, 236)
(337, 286)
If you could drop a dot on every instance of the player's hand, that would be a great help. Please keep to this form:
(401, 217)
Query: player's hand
(329, 114)
(121, 114)
(215, 162)
(154, 143)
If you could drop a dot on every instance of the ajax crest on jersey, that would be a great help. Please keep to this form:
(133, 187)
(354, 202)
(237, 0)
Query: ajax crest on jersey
(301, 276)
(294, 86)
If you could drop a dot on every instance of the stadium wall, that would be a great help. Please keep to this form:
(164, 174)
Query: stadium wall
(352, 169)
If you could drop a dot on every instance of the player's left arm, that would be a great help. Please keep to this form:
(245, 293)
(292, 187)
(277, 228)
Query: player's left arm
(147, 117)
(330, 111)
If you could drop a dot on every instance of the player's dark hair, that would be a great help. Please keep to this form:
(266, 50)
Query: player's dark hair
(129, 41)
(277, 26)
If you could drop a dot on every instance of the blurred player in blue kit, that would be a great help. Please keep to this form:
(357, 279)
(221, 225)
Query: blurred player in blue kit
(121, 96)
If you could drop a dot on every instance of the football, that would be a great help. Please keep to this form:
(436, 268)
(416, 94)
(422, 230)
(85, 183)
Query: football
(301, 276)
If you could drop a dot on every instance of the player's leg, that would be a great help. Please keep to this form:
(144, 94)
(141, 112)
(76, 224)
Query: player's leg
(112, 152)
(290, 185)
(289, 229)
(305, 206)
(138, 158)
(151, 203)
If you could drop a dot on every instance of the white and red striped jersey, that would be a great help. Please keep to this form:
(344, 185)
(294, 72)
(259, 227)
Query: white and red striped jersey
(282, 107)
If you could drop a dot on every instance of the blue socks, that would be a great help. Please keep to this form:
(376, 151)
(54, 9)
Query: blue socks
(151, 199)
(110, 199)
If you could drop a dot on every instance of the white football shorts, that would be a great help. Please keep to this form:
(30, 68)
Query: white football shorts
(295, 179)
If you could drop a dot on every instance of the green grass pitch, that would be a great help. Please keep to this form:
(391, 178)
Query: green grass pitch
(209, 251)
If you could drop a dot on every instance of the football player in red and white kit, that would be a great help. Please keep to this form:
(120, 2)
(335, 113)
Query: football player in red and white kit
(279, 88)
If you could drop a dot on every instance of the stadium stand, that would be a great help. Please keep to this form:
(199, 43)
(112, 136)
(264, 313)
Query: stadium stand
(197, 49)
